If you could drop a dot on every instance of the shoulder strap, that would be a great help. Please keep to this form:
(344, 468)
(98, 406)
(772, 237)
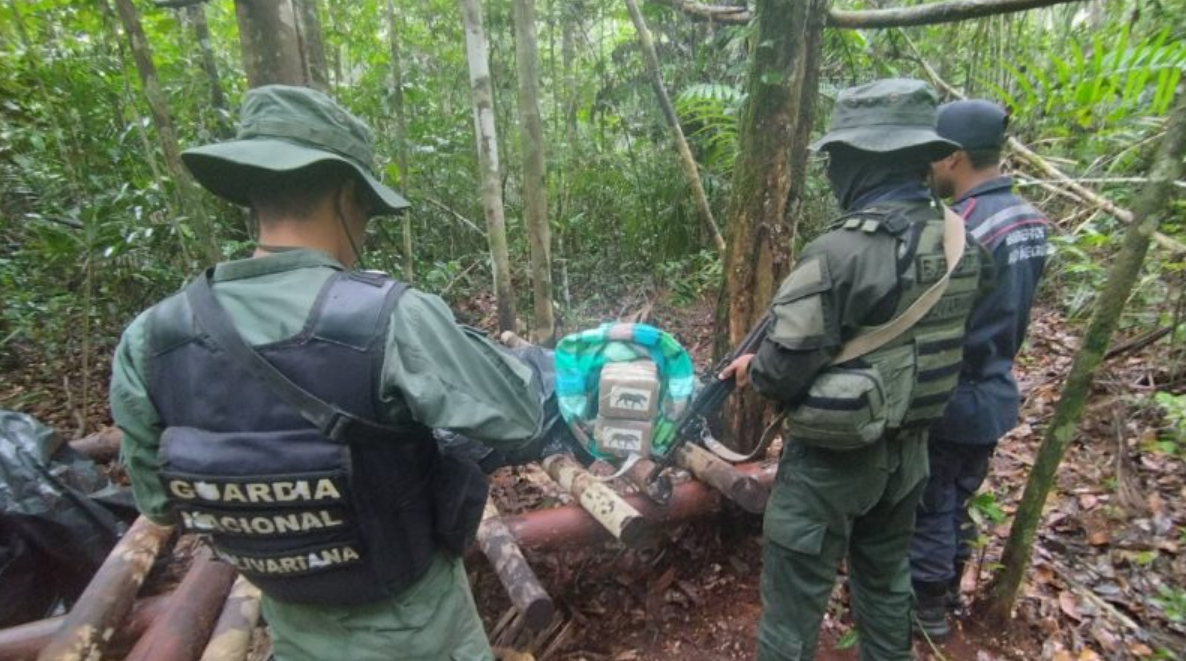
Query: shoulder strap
(337, 424)
(954, 242)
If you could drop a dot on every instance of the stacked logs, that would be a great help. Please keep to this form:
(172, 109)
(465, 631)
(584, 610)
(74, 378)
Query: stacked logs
(211, 615)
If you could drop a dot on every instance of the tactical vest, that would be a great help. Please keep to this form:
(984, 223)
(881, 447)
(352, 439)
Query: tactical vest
(906, 383)
(305, 518)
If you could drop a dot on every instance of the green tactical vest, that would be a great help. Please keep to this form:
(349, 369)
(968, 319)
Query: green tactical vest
(905, 383)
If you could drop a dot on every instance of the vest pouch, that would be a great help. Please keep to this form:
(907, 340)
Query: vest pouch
(459, 491)
(278, 506)
(896, 367)
(845, 409)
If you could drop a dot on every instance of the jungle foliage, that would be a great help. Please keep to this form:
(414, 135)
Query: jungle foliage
(92, 229)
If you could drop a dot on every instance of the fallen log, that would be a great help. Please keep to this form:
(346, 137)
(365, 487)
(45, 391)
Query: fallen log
(639, 475)
(231, 640)
(522, 585)
(739, 487)
(25, 641)
(108, 599)
(570, 525)
(182, 631)
(605, 505)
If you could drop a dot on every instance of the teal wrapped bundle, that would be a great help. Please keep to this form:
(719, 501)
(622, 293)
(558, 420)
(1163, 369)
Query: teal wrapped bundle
(579, 358)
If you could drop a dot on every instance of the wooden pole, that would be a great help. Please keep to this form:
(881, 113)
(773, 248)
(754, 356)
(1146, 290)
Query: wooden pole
(231, 639)
(109, 597)
(516, 576)
(741, 488)
(182, 631)
(603, 503)
(25, 641)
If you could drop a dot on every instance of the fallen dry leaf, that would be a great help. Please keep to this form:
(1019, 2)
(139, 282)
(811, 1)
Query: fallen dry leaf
(1069, 605)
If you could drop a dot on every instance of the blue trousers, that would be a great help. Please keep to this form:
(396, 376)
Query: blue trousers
(943, 530)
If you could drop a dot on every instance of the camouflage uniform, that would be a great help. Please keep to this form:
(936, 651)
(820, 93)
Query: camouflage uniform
(829, 505)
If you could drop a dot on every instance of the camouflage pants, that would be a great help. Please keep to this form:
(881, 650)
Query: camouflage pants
(827, 506)
(434, 620)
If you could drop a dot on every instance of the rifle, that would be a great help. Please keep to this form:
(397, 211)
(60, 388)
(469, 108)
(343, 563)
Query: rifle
(691, 424)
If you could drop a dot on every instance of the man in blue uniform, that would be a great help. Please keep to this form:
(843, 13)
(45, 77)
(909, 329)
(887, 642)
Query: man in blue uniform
(985, 404)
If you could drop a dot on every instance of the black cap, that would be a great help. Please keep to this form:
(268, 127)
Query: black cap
(974, 124)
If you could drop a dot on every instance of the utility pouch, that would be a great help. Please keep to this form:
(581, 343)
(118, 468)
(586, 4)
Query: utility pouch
(845, 409)
(459, 492)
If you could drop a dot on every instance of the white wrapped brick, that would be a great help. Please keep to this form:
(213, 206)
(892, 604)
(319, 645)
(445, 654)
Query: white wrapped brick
(629, 390)
(623, 437)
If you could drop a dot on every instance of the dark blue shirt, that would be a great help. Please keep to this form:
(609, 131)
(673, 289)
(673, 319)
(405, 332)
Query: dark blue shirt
(986, 403)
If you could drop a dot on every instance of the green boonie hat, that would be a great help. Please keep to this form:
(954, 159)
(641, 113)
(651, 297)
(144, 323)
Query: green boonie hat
(885, 116)
(282, 129)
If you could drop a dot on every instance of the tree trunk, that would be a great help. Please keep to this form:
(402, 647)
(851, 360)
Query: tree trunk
(222, 111)
(1126, 268)
(166, 135)
(691, 171)
(401, 132)
(776, 123)
(534, 187)
(312, 48)
(482, 91)
(270, 43)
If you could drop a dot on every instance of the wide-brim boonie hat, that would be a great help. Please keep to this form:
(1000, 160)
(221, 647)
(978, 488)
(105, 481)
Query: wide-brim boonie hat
(282, 129)
(885, 116)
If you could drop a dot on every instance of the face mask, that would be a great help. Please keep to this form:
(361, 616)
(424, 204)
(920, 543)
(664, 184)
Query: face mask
(854, 173)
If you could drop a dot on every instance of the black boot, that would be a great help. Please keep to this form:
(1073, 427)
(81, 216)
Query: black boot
(930, 616)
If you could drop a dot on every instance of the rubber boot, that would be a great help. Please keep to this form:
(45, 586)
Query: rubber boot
(930, 617)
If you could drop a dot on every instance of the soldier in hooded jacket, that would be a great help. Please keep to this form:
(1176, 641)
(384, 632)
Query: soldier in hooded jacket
(335, 525)
(853, 496)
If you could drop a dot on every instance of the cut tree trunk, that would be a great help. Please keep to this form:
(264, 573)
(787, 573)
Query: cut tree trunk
(477, 53)
(270, 43)
(516, 576)
(687, 161)
(401, 131)
(603, 503)
(166, 134)
(782, 85)
(535, 191)
(1122, 277)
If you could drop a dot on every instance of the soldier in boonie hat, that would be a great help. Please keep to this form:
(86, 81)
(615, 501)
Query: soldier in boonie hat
(882, 135)
(886, 116)
(289, 363)
(283, 129)
(847, 489)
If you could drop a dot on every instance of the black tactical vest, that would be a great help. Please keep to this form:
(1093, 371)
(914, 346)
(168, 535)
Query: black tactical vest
(305, 518)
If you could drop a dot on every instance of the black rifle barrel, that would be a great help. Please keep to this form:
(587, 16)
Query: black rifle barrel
(711, 396)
